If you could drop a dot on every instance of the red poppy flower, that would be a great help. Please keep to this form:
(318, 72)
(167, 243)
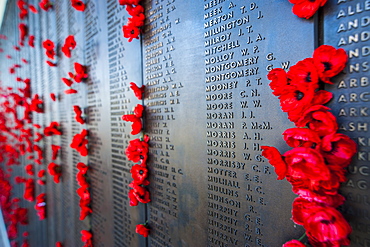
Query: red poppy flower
(40, 206)
(276, 160)
(85, 211)
(39, 137)
(48, 44)
(52, 129)
(138, 91)
(306, 163)
(70, 91)
(29, 191)
(68, 82)
(55, 170)
(279, 81)
(323, 192)
(130, 31)
(139, 173)
(304, 73)
(81, 180)
(58, 244)
(326, 226)
(66, 51)
(78, 5)
(51, 64)
(329, 61)
(338, 149)
(319, 119)
(32, 8)
(70, 42)
(52, 96)
(306, 8)
(86, 236)
(140, 193)
(293, 243)
(16, 48)
(24, 61)
(19, 180)
(138, 150)
(29, 169)
(31, 41)
(21, 215)
(79, 142)
(129, 2)
(23, 31)
(301, 137)
(78, 112)
(80, 72)
(45, 5)
(82, 167)
(135, 119)
(55, 149)
(142, 230)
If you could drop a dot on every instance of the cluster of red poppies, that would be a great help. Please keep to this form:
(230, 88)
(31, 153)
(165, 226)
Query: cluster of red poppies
(137, 151)
(80, 142)
(86, 238)
(13, 214)
(317, 163)
(133, 27)
(83, 191)
(23, 9)
(45, 5)
(306, 8)
(69, 45)
(78, 76)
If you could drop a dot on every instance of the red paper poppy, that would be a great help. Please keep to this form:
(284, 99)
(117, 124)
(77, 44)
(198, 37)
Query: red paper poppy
(293, 243)
(304, 74)
(29, 169)
(138, 91)
(31, 41)
(70, 42)
(78, 5)
(51, 64)
(32, 8)
(39, 137)
(68, 82)
(52, 129)
(138, 150)
(86, 236)
(58, 244)
(306, 163)
(45, 5)
(325, 226)
(55, 170)
(139, 173)
(82, 167)
(78, 112)
(136, 123)
(319, 119)
(23, 31)
(338, 149)
(40, 206)
(301, 137)
(129, 2)
(130, 31)
(279, 81)
(24, 61)
(52, 96)
(66, 51)
(140, 193)
(48, 44)
(29, 191)
(142, 230)
(306, 8)
(276, 160)
(329, 61)
(80, 72)
(70, 91)
(79, 142)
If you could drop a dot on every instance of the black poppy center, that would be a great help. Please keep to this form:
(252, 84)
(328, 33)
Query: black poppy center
(308, 77)
(141, 172)
(299, 95)
(327, 66)
(132, 32)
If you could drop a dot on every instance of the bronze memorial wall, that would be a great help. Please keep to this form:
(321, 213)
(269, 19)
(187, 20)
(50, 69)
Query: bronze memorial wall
(208, 111)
